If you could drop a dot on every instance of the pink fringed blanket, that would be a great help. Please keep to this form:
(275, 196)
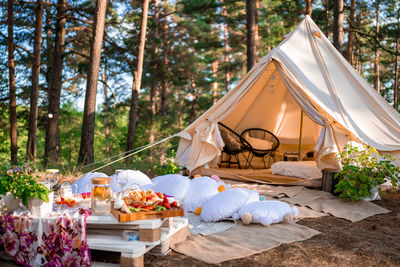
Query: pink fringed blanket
(56, 240)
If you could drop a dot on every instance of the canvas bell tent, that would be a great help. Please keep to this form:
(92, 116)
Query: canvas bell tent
(304, 73)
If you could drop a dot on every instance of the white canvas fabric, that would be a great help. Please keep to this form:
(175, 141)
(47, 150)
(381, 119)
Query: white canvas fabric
(304, 73)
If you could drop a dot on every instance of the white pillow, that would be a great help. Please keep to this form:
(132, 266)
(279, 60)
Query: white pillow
(266, 212)
(223, 205)
(84, 184)
(201, 189)
(171, 184)
(133, 177)
(252, 195)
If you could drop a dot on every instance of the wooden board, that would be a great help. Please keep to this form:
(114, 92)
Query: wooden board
(147, 215)
(263, 176)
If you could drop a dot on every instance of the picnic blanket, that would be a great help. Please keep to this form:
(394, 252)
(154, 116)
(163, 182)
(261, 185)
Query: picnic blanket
(197, 226)
(317, 200)
(241, 241)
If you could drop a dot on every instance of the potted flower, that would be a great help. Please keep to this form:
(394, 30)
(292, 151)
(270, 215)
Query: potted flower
(20, 182)
(363, 171)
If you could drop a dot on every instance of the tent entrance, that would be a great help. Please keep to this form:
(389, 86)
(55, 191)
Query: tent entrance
(269, 105)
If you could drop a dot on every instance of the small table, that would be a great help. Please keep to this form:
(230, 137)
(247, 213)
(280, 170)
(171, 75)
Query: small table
(291, 156)
(106, 233)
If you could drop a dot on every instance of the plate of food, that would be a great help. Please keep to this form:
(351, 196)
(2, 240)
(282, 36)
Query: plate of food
(145, 205)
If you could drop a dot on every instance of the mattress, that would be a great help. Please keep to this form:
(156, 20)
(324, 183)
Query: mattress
(300, 169)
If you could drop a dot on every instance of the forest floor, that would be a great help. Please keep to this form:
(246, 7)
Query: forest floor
(374, 241)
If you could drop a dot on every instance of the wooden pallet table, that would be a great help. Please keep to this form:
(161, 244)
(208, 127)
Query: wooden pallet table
(105, 233)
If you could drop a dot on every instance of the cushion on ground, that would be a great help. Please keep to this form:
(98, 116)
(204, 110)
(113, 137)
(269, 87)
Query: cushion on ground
(201, 189)
(133, 178)
(266, 212)
(223, 205)
(171, 184)
(301, 169)
(84, 184)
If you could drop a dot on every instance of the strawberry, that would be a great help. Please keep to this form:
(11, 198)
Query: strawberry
(167, 205)
(174, 204)
(140, 205)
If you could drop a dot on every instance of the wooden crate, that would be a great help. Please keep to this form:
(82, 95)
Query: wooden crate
(132, 251)
(147, 215)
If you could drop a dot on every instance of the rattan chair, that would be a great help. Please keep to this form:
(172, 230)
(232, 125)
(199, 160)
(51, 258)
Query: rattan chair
(234, 145)
(263, 135)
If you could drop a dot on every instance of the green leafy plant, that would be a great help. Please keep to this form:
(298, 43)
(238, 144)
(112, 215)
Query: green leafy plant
(167, 167)
(21, 183)
(362, 170)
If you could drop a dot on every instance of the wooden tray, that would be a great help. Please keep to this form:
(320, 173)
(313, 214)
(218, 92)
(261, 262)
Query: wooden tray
(147, 215)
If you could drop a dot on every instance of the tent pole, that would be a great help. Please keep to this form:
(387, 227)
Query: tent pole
(300, 135)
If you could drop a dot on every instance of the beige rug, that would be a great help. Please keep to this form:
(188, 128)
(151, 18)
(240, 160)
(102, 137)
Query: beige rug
(241, 241)
(317, 200)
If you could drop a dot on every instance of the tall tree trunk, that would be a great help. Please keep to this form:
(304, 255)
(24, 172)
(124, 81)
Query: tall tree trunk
(194, 96)
(226, 51)
(377, 82)
(396, 77)
(256, 35)
(351, 35)
(86, 155)
(164, 82)
(308, 7)
(130, 142)
(154, 84)
(52, 147)
(326, 5)
(11, 81)
(250, 25)
(49, 46)
(104, 78)
(214, 69)
(33, 115)
(180, 111)
(338, 24)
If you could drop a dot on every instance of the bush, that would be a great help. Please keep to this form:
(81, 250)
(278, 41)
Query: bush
(363, 169)
(167, 167)
(21, 183)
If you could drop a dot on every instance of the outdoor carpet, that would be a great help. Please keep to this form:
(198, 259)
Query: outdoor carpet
(241, 241)
(317, 200)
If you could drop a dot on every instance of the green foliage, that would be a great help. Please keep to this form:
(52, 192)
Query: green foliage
(21, 183)
(363, 169)
(167, 167)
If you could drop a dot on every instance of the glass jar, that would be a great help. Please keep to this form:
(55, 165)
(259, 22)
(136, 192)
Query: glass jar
(52, 177)
(65, 190)
(101, 196)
